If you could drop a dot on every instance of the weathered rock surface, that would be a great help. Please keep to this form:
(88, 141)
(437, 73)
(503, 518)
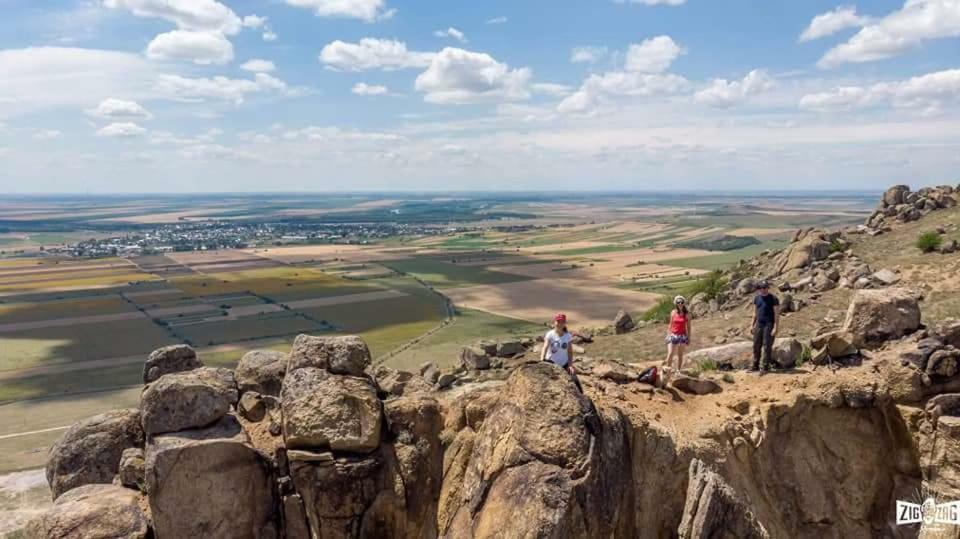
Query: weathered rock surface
(131, 473)
(713, 510)
(875, 316)
(340, 355)
(208, 483)
(615, 371)
(187, 400)
(262, 371)
(170, 359)
(474, 358)
(398, 383)
(622, 323)
(90, 451)
(323, 410)
(91, 512)
(696, 386)
(739, 355)
(811, 246)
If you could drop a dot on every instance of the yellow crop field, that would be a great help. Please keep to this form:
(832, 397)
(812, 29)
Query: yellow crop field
(280, 284)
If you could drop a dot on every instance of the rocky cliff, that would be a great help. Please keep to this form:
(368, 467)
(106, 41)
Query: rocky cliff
(319, 443)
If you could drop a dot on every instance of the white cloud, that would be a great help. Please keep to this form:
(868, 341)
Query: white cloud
(620, 83)
(202, 48)
(362, 88)
(365, 10)
(653, 2)
(653, 55)
(314, 133)
(588, 54)
(270, 35)
(917, 21)
(116, 109)
(258, 65)
(196, 15)
(453, 33)
(47, 134)
(215, 152)
(254, 21)
(372, 53)
(121, 130)
(49, 77)
(497, 20)
(235, 90)
(927, 92)
(551, 89)
(457, 76)
(831, 22)
(723, 93)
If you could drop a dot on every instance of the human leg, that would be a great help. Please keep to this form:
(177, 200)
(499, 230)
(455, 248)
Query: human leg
(757, 346)
(767, 345)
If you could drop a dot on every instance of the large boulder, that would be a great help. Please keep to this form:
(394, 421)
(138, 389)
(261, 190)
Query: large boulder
(739, 355)
(875, 316)
(261, 371)
(948, 332)
(398, 383)
(541, 465)
(170, 359)
(327, 411)
(187, 400)
(91, 512)
(695, 386)
(811, 247)
(622, 323)
(90, 451)
(895, 195)
(339, 355)
(509, 348)
(131, 473)
(474, 358)
(713, 509)
(208, 483)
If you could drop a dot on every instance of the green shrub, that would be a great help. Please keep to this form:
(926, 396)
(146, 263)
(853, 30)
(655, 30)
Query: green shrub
(659, 312)
(805, 355)
(929, 242)
(707, 365)
(728, 378)
(836, 246)
(711, 285)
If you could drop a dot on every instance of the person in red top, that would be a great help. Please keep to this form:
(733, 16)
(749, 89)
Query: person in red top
(679, 336)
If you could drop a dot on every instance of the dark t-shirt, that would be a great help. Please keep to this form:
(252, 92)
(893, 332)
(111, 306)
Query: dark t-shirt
(765, 305)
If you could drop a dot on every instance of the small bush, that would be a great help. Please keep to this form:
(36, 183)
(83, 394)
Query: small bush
(707, 365)
(805, 355)
(659, 312)
(728, 378)
(835, 246)
(929, 242)
(711, 285)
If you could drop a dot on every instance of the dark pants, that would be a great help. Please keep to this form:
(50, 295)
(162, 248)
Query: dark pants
(763, 342)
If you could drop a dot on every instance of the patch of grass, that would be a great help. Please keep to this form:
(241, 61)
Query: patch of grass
(724, 260)
(728, 378)
(707, 365)
(445, 274)
(660, 312)
(929, 242)
(592, 250)
(836, 246)
(711, 285)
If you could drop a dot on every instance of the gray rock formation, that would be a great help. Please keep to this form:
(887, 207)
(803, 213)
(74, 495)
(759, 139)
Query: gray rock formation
(338, 355)
(93, 511)
(713, 510)
(170, 359)
(262, 371)
(187, 400)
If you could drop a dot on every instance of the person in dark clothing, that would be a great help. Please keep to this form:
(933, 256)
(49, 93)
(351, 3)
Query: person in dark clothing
(766, 316)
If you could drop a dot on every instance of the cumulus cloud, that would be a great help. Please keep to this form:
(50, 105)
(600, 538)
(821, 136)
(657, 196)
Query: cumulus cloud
(653, 55)
(457, 76)
(551, 89)
(121, 130)
(39, 78)
(198, 89)
(196, 15)
(927, 92)
(365, 10)
(588, 54)
(315, 133)
(372, 53)
(831, 22)
(452, 33)
(362, 88)
(117, 109)
(270, 35)
(497, 20)
(254, 21)
(917, 21)
(621, 83)
(724, 94)
(258, 65)
(203, 48)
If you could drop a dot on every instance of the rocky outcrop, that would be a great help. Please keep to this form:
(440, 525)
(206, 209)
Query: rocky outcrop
(93, 511)
(875, 316)
(209, 482)
(261, 371)
(713, 510)
(187, 400)
(89, 452)
(170, 359)
(809, 246)
(739, 355)
(899, 204)
(346, 355)
(623, 323)
(326, 411)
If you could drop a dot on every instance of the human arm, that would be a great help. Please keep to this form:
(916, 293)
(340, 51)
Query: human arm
(570, 357)
(689, 330)
(776, 320)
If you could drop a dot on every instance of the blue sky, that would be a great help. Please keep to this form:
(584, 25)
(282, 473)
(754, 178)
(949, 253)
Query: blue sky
(317, 95)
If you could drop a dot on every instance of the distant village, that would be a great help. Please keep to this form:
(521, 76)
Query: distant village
(213, 235)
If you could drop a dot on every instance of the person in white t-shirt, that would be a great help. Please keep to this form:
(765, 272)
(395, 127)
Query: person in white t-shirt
(558, 347)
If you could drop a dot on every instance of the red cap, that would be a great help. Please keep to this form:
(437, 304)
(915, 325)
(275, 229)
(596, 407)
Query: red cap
(560, 317)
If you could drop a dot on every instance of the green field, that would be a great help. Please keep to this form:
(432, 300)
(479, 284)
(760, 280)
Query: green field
(32, 312)
(248, 328)
(443, 347)
(726, 259)
(448, 275)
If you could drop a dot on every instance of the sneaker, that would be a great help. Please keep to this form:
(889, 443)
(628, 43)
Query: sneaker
(766, 369)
